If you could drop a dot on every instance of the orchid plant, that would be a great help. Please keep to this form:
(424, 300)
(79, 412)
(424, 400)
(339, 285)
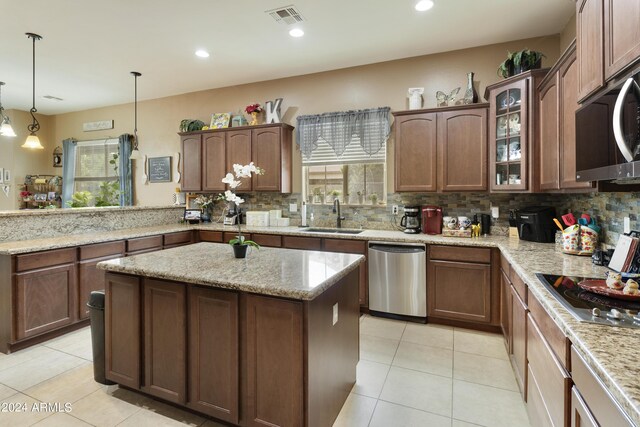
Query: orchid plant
(234, 181)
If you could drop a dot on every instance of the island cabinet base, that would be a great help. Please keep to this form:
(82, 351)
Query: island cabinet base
(247, 359)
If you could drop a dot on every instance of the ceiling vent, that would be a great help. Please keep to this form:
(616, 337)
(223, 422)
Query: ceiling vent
(52, 98)
(288, 15)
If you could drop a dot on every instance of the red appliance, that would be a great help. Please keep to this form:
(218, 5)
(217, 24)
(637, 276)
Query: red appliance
(432, 220)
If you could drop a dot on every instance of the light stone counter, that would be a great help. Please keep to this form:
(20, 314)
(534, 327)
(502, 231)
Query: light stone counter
(610, 351)
(287, 273)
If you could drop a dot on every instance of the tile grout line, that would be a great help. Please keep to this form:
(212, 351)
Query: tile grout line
(416, 409)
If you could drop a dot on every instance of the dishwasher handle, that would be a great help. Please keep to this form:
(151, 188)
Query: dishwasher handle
(400, 249)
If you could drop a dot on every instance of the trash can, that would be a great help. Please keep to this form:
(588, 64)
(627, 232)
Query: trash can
(96, 314)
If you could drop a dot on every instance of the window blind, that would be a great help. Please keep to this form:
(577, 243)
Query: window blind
(324, 154)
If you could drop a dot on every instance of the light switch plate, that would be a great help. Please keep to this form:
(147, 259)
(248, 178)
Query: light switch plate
(293, 207)
(335, 313)
(495, 212)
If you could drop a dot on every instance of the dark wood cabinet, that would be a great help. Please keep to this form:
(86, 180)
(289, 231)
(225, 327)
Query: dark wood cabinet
(213, 353)
(213, 161)
(295, 242)
(549, 134)
(210, 236)
(590, 46)
(621, 35)
(353, 247)
(442, 149)
(144, 244)
(90, 278)
(180, 238)
(123, 344)
(273, 343)
(271, 150)
(238, 151)
(191, 168)
(267, 240)
(505, 309)
(165, 340)
(518, 332)
(581, 416)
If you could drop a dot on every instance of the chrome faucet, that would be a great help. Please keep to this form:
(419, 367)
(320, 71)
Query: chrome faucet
(336, 209)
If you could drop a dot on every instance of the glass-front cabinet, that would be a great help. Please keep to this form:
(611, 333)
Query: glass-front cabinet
(511, 133)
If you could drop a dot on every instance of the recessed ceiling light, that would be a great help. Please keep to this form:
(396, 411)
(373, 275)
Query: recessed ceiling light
(423, 5)
(296, 32)
(202, 53)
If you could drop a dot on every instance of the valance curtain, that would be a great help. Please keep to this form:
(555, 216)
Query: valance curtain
(68, 169)
(370, 127)
(124, 167)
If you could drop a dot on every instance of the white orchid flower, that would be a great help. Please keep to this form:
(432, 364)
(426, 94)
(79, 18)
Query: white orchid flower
(228, 179)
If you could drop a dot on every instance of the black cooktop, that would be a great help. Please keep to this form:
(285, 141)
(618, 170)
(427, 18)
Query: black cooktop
(589, 307)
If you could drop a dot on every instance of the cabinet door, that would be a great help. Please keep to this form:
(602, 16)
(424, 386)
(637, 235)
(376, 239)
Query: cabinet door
(415, 152)
(581, 416)
(266, 153)
(45, 300)
(239, 152)
(273, 343)
(122, 329)
(462, 146)
(213, 161)
(621, 35)
(213, 353)
(519, 340)
(90, 279)
(165, 340)
(590, 46)
(459, 290)
(549, 135)
(353, 247)
(191, 163)
(505, 309)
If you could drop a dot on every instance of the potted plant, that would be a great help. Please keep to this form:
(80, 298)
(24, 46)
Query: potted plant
(253, 110)
(374, 199)
(519, 62)
(333, 194)
(317, 195)
(80, 199)
(360, 198)
(240, 244)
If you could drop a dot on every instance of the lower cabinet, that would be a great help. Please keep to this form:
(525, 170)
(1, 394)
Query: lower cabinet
(580, 414)
(90, 278)
(353, 247)
(518, 353)
(505, 309)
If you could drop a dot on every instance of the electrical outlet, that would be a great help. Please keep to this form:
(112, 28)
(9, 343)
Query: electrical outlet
(394, 210)
(495, 212)
(335, 313)
(293, 207)
(627, 224)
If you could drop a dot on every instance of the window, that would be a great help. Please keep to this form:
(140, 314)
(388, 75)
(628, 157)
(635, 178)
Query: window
(93, 165)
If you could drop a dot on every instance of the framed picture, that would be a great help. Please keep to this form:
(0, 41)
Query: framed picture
(7, 176)
(1, 175)
(159, 169)
(191, 202)
(220, 120)
(51, 195)
(40, 197)
(192, 215)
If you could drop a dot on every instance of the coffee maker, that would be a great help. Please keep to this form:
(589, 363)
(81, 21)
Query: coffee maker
(432, 220)
(411, 219)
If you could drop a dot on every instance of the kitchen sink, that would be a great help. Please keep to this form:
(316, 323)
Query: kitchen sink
(332, 230)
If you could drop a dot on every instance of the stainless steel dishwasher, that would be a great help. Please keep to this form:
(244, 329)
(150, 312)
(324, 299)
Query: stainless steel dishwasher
(397, 279)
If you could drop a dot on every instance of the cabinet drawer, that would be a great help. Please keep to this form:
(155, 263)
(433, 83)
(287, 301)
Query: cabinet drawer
(520, 286)
(210, 236)
(602, 405)
(538, 415)
(556, 339)
(581, 416)
(347, 246)
(179, 238)
(459, 253)
(505, 266)
(311, 243)
(45, 259)
(552, 380)
(100, 250)
(268, 240)
(142, 243)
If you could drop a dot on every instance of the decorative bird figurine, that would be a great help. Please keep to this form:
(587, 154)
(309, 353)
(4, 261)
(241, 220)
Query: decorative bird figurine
(444, 99)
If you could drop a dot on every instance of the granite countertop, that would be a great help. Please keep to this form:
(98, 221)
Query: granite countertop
(610, 351)
(288, 273)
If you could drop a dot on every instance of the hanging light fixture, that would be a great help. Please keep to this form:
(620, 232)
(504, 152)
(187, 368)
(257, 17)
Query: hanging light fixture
(5, 124)
(135, 153)
(33, 141)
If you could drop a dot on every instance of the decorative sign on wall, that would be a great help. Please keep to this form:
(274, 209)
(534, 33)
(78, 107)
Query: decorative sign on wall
(273, 111)
(160, 169)
(57, 157)
(100, 125)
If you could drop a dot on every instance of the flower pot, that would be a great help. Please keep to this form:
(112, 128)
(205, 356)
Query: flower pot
(240, 251)
(254, 119)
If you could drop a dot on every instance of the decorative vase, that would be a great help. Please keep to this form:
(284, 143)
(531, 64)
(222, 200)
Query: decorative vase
(240, 251)
(470, 95)
(254, 119)
(206, 215)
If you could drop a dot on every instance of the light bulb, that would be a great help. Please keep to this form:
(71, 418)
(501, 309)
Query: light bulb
(6, 129)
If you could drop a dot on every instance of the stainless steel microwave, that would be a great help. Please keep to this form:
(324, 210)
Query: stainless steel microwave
(608, 134)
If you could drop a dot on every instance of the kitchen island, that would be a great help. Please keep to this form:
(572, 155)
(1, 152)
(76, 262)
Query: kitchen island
(268, 340)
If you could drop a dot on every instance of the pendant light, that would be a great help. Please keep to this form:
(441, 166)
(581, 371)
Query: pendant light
(33, 141)
(5, 124)
(135, 153)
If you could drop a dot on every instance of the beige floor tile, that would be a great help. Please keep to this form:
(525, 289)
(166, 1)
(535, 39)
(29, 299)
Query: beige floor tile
(61, 420)
(41, 368)
(356, 412)
(6, 392)
(370, 378)
(431, 360)
(488, 406)
(377, 349)
(77, 343)
(211, 423)
(383, 328)
(69, 386)
(19, 411)
(174, 413)
(10, 360)
(104, 409)
(431, 393)
(431, 335)
(481, 343)
(484, 370)
(389, 414)
(145, 418)
(458, 423)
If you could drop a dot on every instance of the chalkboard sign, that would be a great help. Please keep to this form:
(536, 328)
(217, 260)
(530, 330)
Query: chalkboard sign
(160, 169)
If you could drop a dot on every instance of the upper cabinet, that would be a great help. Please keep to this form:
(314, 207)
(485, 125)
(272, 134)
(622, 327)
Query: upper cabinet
(513, 132)
(608, 41)
(207, 156)
(441, 149)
